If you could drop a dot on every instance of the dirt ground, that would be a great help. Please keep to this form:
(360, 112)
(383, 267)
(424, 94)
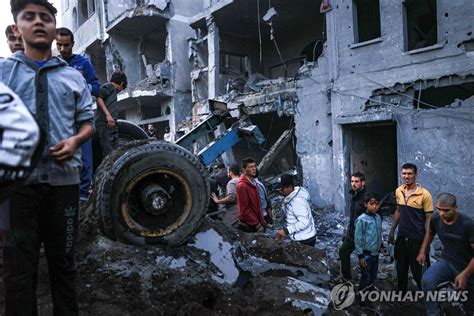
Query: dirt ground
(219, 271)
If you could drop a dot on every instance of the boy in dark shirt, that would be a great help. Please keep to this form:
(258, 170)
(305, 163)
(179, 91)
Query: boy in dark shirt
(456, 232)
(107, 114)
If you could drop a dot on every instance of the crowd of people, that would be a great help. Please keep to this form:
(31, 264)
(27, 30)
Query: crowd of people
(417, 227)
(249, 209)
(248, 206)
(58, 90)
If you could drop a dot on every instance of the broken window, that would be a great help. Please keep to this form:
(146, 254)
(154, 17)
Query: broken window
(90, 7)
(436, 97)
(366, 14)
(233, 64)
(421, 28)
(86, 9)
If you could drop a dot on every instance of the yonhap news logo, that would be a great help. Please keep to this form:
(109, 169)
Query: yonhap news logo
(343, 296)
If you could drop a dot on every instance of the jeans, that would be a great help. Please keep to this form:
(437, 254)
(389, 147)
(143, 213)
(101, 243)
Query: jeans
(41, 214)
(406, 251)
(368, 274)
(87, 169)
(345, 251)
(442, 271)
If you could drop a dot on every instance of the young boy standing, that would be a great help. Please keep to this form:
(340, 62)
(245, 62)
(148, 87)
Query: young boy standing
(368, 240)
(107, 114)
(45, 208)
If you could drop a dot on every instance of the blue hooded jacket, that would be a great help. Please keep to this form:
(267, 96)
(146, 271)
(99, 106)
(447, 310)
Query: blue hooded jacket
(84, 66)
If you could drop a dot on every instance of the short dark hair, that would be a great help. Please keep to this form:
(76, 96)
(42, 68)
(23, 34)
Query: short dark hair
(287, 180)
(247, 161)
(18, 5)
(64, 31)
(371, 196)
(220, 165)
(410, 166)
(447, 199)
(235, 169)
(9, 31)
(359, 175)
(119, 77)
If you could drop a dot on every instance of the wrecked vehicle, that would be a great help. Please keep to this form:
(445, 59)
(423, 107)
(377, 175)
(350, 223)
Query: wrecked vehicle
(149, 192)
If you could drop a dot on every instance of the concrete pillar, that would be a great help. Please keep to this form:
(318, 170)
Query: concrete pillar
(213, 76)
(213, 57)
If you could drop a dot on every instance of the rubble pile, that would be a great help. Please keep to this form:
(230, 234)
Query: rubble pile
(219, 271)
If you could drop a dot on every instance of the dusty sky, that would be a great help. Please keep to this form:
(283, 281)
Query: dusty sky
(6, 19)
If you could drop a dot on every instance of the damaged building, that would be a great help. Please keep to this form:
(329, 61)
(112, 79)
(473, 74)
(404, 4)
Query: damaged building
(146, 40)
(335, 87)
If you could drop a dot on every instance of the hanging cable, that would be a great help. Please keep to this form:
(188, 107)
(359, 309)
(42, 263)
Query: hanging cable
(272, 38)
(259, 36)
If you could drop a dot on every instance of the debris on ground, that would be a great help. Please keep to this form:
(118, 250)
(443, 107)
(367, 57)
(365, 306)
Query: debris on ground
(219, 271)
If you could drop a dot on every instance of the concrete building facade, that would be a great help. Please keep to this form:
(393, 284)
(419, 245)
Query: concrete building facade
(358, 85)
(148, 41)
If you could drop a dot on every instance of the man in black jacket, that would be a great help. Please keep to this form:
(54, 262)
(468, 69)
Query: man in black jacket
(357, 208)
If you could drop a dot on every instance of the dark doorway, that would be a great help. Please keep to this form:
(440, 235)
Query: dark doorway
(372, 150)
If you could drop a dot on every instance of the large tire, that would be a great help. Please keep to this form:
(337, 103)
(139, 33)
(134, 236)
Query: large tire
(125, 179)
(128, 131)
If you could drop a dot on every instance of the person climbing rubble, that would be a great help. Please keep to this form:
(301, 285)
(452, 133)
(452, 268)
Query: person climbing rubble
(299, 222)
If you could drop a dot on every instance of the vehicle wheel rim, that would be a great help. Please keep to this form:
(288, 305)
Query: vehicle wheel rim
(156, 202)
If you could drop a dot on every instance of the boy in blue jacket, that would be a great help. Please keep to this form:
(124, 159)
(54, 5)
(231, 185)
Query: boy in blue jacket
(368, 241)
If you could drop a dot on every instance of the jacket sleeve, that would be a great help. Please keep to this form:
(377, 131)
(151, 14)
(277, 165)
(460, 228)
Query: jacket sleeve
(246, 214)
(358, 238)
(84, 112)
(301, 211)
(91, 78)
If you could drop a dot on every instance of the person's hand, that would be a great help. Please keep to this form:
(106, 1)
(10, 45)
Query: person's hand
(460, 282)
(362, 262)
(261, 229)
(280, 235)
(64, 150)
(214, 197)
(391, 237)
(421, 258)
(110, 121)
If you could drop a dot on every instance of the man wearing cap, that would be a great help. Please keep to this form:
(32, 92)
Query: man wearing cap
(299, 220)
